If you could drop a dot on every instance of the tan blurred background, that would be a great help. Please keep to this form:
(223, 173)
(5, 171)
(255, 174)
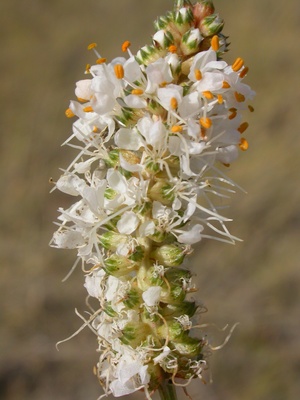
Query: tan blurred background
(257, 282)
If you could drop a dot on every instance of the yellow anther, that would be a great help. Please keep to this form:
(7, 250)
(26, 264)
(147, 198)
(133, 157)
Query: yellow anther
(137, 91)
(205, 122)
(243, 144)
(244, 72)
(251, 109)
(172, 48)
(233, 114)
(96, 129)
(91, 46)
(88, 109)
(81, 100)
(173, 103)
(226, 165)
(176, 128)
(239, 97)
(215, 45)
(225, 85)
(125, 45)
(101, 60)
(237, 65)
(198, 74)
(163, 84)
(220, 99)
(119, 71)
(87, 68)
(207, 94)
(243, 127)
(69, 113)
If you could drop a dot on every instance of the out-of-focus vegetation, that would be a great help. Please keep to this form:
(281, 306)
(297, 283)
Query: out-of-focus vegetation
(257, 282)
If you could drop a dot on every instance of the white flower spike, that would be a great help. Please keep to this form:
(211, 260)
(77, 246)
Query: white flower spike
(154, 132)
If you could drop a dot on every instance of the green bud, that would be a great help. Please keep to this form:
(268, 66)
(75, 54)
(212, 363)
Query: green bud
(191, 41)
(211, 25)
(113, 158)
(173, 330)
(148, 54)
(202, 9)
(169, 255)
(169, 311)
(187, 346)
(137, 255)
(110, 240)
(161, 22)
(135, 334)
(133, 299)
(162, 191)
(110, 194)
(164, 39)
(182, 3)
(118, 265)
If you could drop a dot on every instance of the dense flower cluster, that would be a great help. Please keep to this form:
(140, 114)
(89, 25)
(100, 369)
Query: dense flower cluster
(152, 130)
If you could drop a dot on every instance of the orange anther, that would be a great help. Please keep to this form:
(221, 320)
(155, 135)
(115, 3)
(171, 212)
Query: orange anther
(173, 49)
(243, 127)
(244, 72)
(96, 129)
(88, 109)
(239, 97)
(198, 74)
(237, 65)
(92, 46)
(101, 60)
(220, 99)
(173, 103)
(251, 109)
(125, 45)
(243, 144)
(137, 91)
(207, 94)
(87, 68)
(176, 128)
(225, 85)
(119, 71)
(215, 45)
(205, 122)
(232, 115)
(69, 113)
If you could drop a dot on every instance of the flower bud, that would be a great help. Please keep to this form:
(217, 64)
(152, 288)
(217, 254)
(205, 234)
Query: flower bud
(134, 334)
(148, 54)
(118, 265)
(173, 330)
(111, 240)
(162, 22)
(211, 25)
(187, 346)
(191, 41)
(169, 255)
(163, 38)
(169, 311)
(162, 191)
(202, 9)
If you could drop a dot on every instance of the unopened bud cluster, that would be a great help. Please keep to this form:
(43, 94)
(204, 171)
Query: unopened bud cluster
(154, 132)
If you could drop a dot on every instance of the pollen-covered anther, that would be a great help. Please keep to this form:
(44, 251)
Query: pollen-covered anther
(119, 71)
(225, 85)
(237, 65)
(220, 99)
(205, 122)
(173, 103)
(215, 45)
(244, 72)
(243, 145)
(198, 74)
(91, 46)
(87, 68)
(126, 45)
(176, 129)
(239, 97)
(69, 113)
(88, 109)
(172, 49)
(96, 129)
(137, 92)
(101, 60)
(251, 109)
(243, 127)
(233, 113)
(208, 95)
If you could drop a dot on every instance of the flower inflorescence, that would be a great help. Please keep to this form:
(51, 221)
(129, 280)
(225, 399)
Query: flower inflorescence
(153, 132)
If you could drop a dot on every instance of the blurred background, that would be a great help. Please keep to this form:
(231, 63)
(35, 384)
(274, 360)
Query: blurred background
(257, 282)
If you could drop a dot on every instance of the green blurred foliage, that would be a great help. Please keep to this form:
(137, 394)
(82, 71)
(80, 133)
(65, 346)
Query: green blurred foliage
(256, 282)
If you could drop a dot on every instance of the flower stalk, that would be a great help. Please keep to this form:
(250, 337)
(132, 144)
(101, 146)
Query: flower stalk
(155, 132)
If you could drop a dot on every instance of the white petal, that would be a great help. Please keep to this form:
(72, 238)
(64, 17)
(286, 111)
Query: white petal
(83, 89)
(135, 101)
(68, 239)
(128, 223)
(152, 296)
(147, 228)
(192, 236)
(117, 181)
(128, 139)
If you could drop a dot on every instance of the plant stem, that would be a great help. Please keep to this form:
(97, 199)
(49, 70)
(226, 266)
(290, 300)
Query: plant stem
(167, 391)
